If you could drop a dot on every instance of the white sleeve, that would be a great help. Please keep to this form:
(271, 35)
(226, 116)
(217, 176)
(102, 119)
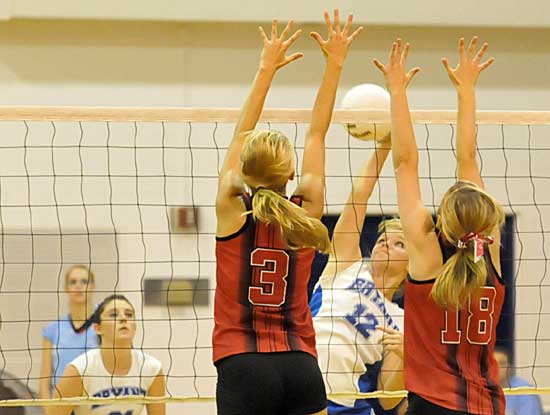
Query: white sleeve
(81, 363)
(152, 366)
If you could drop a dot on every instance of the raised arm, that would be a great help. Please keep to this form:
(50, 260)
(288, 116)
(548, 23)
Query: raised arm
(417, 222)
(464, 77)
(335, 49)
(273, 57)
(347, 232)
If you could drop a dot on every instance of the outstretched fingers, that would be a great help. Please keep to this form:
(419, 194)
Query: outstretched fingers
(328, 23)
(461, 51)
(348, 24)
(412, 73)
(449, 69)
(317, 37)
(379, 65)
(286, 30)
(274, 29)
(262, 34)
(405, 53)
(481, 52)
(337, 21)
(472, 47)
(356, 33)
(293, 38)
(486, 64)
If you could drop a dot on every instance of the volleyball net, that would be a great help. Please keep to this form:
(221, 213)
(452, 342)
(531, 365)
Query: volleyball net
(130, 193)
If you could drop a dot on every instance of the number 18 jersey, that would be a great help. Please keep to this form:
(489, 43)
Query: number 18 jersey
(448, 353)
(261, 302)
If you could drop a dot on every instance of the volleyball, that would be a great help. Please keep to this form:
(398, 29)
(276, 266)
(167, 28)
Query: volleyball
(367, 97)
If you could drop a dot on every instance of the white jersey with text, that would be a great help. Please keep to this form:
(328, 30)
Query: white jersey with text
(346, 309)
(100, 383)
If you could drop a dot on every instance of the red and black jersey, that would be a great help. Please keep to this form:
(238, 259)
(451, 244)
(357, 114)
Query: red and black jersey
(449, 354)
(261, 302)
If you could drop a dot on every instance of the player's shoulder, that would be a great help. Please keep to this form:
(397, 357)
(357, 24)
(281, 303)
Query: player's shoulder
(357, 272)
(394, 309)
(87, 361)
(148, 365)
(52, 330)
(517, 382)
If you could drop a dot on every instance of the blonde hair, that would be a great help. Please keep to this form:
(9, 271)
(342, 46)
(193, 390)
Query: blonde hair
(267, 161)
(390, 225)
(465, 208)
(91, 275)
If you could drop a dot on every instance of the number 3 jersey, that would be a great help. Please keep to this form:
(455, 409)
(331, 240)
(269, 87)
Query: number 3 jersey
(98, 383)
(261, 302)
(449, 354)
(346, 309)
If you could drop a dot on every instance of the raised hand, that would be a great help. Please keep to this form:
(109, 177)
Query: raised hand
(397, 78)
(274, 51)
(392, 340)
(469, 66)
(336, 47)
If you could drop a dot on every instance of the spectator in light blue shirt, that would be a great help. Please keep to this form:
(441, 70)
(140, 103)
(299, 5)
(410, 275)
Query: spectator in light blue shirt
(516, 404)
(70, 336)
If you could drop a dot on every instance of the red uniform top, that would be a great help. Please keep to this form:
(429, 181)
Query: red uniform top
(261, 302)
(449, 354)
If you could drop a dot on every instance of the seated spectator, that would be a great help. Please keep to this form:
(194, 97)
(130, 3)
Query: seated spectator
(12, 388)
(516, 404)
(7, 394)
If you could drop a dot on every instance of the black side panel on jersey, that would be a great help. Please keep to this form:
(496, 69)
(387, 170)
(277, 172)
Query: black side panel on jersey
(247, 246)
(493, 388)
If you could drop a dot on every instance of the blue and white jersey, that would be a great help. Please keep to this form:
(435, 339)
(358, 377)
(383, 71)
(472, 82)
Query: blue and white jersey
(99, 383)
(346, 309)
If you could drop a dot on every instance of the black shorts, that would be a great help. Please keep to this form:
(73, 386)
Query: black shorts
(420, 406)
(270, 384)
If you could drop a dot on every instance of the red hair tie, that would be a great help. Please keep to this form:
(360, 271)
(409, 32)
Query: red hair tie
(479, 243)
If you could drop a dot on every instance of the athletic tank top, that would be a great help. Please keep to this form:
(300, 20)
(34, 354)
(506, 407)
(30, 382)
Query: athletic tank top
(261, 302)
(99, 383)
(346, 309)
(449, 354)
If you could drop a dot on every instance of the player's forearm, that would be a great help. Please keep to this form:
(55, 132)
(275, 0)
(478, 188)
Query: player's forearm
(254, 104)
(324, 102)
(44, 388)
(404, 150)
(44, 393)
(354, 212)
(364, 184)
(466, 126)
(249, 117)
(391, 378)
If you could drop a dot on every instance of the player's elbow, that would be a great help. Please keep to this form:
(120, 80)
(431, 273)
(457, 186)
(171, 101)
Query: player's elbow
(466, 157)
(405, 165)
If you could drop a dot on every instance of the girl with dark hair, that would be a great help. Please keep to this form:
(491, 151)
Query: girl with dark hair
(115, 368)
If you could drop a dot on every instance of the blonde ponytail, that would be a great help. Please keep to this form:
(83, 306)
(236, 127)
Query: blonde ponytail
(459, 278)
(467, 214)
(297, 228)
